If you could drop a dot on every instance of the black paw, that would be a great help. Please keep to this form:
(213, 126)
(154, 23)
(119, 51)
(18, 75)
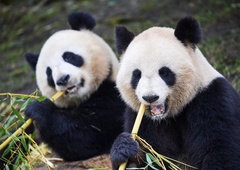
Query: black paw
(123, 148)
(39, 111)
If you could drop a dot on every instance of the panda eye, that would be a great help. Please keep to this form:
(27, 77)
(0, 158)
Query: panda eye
(49, 77)
(67, 57)
(136, 75)
(73, 59)
(167, 75)
(163, 72)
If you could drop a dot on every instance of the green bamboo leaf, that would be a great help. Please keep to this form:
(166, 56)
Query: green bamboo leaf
(17, 161)
(23, 142)
(151, 159)
(8, 149)
(154, 159)
(7, 167)
(10, 121)
(15, 138)
(26, 164)
(2, 131)
(19, 101)
(42, 98)
(19, 116)
(24, 105)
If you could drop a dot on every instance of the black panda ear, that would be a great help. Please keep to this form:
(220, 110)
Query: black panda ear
(32, 60)
(81, 20)
(188, 31)
(123, 38)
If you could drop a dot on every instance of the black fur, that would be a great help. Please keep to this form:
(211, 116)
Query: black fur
(125, 148)
(136, 75)
(49, 77)
(62, 81)
(167, 75)
(82, 132)
(123, 38)
(73, 59)
(81, 20)
(188, 31)
(32, 59)
(205, 134)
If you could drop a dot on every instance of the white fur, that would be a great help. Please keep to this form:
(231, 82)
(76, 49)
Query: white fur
(150, 51)
(97, 55)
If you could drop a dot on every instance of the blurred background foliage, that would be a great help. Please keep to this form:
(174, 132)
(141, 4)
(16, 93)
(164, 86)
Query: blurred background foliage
(26, 24)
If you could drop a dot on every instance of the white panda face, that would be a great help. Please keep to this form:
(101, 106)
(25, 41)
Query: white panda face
(157, 70)
(162, 68)
(76, 62)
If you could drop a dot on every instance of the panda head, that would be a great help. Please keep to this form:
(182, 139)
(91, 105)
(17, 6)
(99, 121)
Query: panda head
(75, 60)
(162, 68)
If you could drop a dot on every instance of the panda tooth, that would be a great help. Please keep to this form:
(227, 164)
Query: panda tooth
(157, 109)
(71, 89)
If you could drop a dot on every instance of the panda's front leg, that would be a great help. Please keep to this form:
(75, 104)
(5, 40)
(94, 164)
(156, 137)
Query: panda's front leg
(123, 149)
(49, 119)
(41, 112)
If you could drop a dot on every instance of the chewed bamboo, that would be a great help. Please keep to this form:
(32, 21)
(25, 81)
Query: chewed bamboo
(27, 123)
(57, 95)
(135, 129)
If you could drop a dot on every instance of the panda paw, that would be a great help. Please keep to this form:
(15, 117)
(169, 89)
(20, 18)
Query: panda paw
(123, 148)
(40, 111)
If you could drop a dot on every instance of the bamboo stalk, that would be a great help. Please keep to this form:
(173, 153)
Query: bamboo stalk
(16, 133)
(18, 95)
(27, 123)
(135, 129)
(57, 95)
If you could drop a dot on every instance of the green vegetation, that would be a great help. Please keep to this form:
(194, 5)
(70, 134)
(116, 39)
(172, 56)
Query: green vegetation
(27, 24)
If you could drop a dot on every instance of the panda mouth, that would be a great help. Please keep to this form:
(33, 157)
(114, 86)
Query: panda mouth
(158, 111)
(72, 89)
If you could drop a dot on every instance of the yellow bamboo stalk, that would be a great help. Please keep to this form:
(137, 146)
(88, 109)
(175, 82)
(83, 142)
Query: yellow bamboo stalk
(57, 95)
(18, 95)
(16, 133)
(27, 123)
(135, 129)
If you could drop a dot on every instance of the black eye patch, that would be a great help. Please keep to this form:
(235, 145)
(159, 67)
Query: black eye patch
(49, 77)
(73, 59)
(136, 75)
(167, 75)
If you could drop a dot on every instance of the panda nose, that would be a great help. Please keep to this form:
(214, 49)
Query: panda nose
(63, 80)
(150, 99)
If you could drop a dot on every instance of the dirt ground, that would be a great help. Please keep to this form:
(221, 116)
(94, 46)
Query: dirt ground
(25, 27)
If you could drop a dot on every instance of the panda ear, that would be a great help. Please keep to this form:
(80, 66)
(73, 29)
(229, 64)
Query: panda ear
(123, 38)
(32, 60)
(81, 20)
(188, 31)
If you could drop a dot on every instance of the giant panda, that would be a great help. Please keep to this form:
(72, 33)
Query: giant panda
(84, 121)
(192, 112)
